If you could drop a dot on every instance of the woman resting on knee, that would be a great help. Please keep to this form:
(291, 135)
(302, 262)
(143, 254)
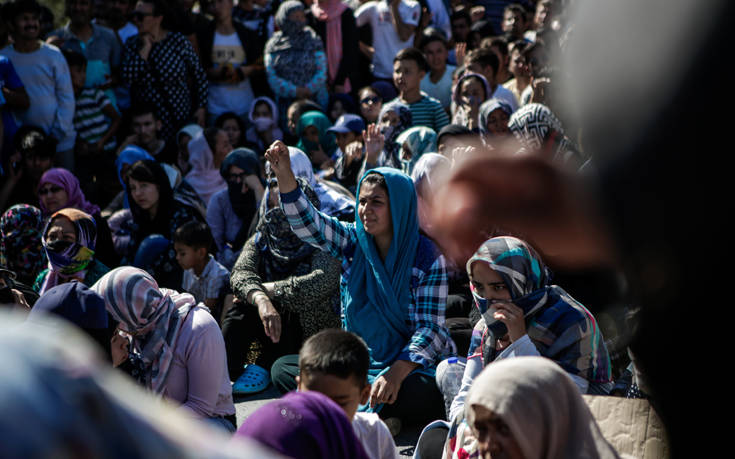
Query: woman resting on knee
(175, 349)
(393, 287)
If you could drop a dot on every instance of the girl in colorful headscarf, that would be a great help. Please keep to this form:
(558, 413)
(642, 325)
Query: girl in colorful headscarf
(69, 242)
(393, 287)
(414, 143)
(176, 348)
(295, 62)
(59, 189)
(21, 246)
(395, 117)
(493, 121)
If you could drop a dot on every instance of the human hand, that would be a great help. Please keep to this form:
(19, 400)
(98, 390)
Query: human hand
(280, 162)
(353, 152)
(460, 50)
(374, 142)
(386, 387)
(269, 316)
(318, 156)
(119, 348)
(512, 316)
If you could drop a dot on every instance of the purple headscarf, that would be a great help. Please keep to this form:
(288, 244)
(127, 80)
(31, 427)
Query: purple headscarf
(304, 425)
(70, 183)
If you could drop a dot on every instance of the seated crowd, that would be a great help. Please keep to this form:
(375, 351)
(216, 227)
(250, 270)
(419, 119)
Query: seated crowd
(228, 196)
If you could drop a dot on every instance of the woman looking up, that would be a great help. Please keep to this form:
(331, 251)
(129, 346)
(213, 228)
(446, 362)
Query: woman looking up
(393, 287)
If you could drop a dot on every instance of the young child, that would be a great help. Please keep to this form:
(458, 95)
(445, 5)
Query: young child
(335, 362)
(409, 68)
(204, 277)
(96, 121)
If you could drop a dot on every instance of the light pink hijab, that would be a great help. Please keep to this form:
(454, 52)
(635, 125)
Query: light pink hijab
(203, 176)
(330, 11)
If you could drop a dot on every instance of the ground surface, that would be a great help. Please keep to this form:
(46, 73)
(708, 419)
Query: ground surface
(405, 441)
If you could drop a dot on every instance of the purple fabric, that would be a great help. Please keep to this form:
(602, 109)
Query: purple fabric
(304, 425)
(70, 183)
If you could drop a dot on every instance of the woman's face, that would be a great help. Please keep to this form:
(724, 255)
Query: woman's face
(147, 22)
(472, 90)
(232, 128)
(487, 282)
(390, 118)
(263, 110)
(237, 175)
(494, 438)
(222, 147)
(497, 122)
(61, 229)
(370, 105)
(373, 208)
(53, 197)
(145, 194)
(311, 133)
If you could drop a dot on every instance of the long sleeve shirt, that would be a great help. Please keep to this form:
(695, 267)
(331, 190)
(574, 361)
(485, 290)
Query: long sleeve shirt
(430, 340)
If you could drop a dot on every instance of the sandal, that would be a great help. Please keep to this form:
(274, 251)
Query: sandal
(253, 380)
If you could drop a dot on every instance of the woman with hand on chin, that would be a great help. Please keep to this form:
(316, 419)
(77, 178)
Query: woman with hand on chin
(393, 287)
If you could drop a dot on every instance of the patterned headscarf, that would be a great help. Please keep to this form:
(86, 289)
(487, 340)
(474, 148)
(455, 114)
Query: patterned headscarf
(281, 250)
(549, 311)
(70, 183)
(21, 233)
(419, 140)
(487, 108)
(69, 260)
(293, 47)
(405, 121)
(153, 315)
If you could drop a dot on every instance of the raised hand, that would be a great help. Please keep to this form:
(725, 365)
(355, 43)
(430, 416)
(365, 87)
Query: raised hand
(280, 163)
(374, 142)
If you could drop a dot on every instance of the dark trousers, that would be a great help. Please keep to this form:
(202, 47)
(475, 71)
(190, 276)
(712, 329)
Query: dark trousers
(242, 327)
(419, 400)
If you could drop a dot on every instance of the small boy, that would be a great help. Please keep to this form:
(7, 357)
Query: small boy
(348, 133)
(206, 279)
(438, 82)
(409, 68)
(335, 362)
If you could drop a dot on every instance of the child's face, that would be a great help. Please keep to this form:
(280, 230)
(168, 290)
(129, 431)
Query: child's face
(436, 55)
(513, 23)
(344, 139)
(233, 131)
(78, 76)
(348, 393)
(188, 256)
(407, 75)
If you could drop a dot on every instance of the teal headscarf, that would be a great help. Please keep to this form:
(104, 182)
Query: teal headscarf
(377, 295)
(326, 139)
(419, 140)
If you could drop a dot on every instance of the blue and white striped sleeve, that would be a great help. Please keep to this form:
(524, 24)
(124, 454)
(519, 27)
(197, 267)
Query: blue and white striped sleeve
(430, 339)
(315, 228)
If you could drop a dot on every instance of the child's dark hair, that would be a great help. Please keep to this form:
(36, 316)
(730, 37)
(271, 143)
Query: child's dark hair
(335, 352)
(431, 35)
(194, 234)
(74, 58)
(412, 54)
(484, 57)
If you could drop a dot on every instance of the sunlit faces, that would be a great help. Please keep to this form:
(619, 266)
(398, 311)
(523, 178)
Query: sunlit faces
(373, 208)
(407, 75)
(145, 195)
(472, 91)
(497, 122)
(513, 23)
(436, 55)
(370, 105)
(488, 283)
(518, 66)
(486, 71)
(494, 438)
(348, 393)
(61, 229)
(542, 17)
(344, 139)
(52, 196)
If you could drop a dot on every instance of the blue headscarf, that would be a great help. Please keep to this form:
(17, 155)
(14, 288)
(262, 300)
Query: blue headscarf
(376, 298)
(130, 155)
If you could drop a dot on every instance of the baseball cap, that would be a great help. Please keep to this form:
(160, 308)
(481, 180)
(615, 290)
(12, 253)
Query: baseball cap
(348, 123)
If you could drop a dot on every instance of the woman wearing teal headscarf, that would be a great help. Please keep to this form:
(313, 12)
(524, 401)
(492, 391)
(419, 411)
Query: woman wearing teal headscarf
(393, 287)
(315, 140)
(414, 143)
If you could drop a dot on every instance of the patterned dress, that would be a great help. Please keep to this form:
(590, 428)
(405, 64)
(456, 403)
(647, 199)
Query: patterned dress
(172, 79)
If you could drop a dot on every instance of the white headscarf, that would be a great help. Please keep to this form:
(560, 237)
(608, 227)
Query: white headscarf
(542, 407)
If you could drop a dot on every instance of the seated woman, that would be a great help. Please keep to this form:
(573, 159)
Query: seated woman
(231, 212)
(381, 147)
(415, 142)
(69, 242)
(526, 407)
(469, 93)
(155, 213)
(207, 150)
(393, 286)
(59, 189)
(234, 126)
(370, 104)
(287, 291)
(264, 118)
(21, 246)
(493, 120)
(175, 348)
(522, 314)
(315, 139)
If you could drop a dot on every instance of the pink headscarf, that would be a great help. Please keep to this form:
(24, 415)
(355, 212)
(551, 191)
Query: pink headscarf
(330, 11)
(70, 183)
(203, 176)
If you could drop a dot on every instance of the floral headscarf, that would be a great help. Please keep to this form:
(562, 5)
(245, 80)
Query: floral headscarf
(21, 233)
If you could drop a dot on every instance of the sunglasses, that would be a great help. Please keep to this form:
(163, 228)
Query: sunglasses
(237, 178)
(137, 16)
(370, 100)
(49, 190)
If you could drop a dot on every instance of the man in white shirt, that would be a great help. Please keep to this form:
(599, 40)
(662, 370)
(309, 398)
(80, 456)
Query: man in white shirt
(393, 23)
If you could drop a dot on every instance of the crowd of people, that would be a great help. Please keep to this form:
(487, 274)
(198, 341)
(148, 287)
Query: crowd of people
(227, 196)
